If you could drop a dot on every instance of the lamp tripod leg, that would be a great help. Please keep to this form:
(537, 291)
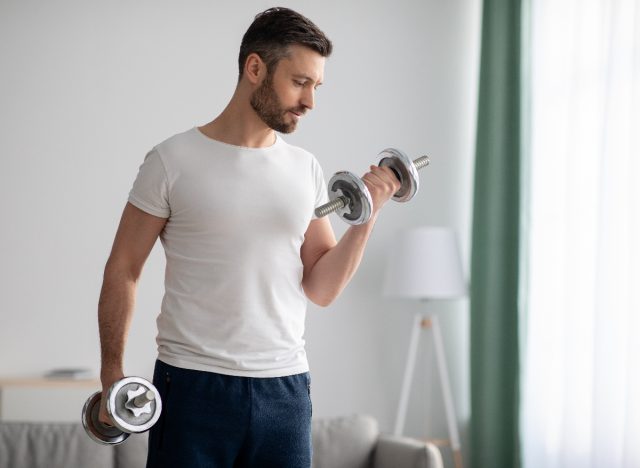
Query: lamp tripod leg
(457, 458)
(408, 375)
(447, 394)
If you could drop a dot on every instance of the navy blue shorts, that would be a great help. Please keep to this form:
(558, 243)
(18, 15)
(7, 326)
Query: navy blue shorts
(221, 421)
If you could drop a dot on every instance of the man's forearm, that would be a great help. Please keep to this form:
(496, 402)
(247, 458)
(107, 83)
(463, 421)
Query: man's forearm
(333, 271)
(115, 310)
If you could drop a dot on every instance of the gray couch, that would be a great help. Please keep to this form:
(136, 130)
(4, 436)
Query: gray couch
(347, 442)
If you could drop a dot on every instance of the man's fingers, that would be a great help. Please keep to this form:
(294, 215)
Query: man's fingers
(384, 177)
(103, 416)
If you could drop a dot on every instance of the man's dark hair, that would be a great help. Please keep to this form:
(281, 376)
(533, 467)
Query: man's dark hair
(274, 30)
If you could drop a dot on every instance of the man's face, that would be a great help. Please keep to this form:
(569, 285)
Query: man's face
(288, 92)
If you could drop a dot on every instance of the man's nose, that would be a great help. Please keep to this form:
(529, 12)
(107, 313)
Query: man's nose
(308, 98)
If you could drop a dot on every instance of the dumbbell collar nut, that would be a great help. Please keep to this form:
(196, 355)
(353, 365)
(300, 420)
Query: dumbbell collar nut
(133, 420)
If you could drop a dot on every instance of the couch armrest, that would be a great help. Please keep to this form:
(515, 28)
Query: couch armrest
(402, 452)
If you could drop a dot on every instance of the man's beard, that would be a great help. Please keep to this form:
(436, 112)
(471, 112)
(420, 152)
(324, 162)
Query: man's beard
(266, 103)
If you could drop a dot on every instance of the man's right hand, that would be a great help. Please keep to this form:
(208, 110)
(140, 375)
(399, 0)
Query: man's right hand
(107, 382)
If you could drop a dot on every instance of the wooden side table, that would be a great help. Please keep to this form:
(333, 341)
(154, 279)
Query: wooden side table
(42, 385)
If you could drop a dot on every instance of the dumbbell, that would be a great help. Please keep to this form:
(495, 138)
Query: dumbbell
(133, 405)
(350, 198)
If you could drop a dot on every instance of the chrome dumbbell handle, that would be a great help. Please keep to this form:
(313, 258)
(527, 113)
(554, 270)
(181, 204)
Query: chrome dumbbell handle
(422, 161)
(343, 201)
(143, 399)
(330, 207)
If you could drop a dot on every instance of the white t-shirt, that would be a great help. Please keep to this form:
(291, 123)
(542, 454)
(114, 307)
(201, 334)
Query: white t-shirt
(233, 300)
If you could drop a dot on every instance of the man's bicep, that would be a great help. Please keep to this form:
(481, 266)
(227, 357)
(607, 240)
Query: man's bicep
(318, 239)
(136, 236)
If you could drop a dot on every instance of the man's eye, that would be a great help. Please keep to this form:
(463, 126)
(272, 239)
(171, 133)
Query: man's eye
(298, 83)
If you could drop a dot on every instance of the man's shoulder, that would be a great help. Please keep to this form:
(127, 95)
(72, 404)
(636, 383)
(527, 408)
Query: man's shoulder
(177, 142)
(298, 151)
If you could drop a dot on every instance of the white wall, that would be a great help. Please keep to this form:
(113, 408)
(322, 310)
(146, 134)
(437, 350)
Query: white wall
(87, 88)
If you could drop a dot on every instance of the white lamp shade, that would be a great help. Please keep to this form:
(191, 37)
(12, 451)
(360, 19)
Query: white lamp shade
(424, 263)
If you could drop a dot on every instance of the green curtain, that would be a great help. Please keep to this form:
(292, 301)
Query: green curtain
(494, 428)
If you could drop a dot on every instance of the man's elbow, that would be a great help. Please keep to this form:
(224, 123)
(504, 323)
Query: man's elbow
(322, 299)
(322, 302)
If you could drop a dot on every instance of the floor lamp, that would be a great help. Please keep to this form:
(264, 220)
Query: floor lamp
(425, 265)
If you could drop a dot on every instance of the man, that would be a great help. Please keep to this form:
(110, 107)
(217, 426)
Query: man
(233, 206)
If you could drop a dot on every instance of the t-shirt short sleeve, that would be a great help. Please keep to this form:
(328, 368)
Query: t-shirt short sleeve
(150, 190)
(322, 196)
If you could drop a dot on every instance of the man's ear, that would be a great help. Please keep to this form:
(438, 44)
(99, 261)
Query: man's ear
(254, 68)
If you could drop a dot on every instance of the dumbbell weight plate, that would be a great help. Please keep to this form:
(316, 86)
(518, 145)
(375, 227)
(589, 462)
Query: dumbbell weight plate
(98, 431)
(404, 167)
(123, 418)
(358, 211)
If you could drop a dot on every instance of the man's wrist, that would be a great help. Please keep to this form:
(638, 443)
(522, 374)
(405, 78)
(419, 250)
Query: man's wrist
(110, 375)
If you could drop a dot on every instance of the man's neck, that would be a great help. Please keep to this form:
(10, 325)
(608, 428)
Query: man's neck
(239, 125)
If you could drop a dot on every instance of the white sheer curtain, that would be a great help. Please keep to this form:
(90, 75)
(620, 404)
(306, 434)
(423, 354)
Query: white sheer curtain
(581, 361)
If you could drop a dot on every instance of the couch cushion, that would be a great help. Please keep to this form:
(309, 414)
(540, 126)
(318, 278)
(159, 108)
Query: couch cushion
(50, 445)
(344, 442)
